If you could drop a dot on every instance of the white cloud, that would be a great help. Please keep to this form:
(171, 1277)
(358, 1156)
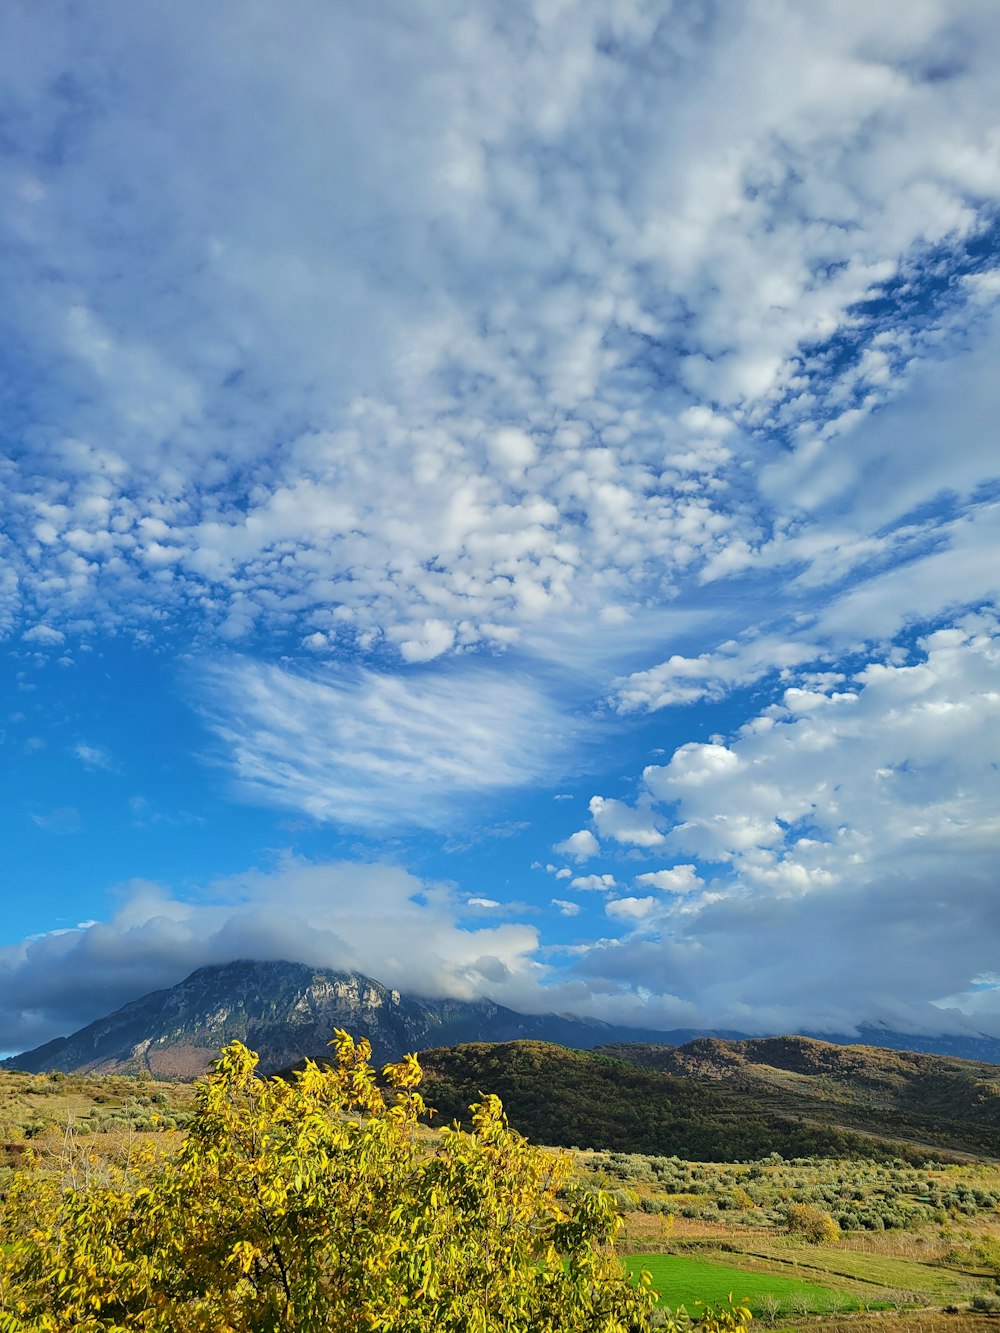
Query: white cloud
(635, 826)
(856, 832)
(462, 432)
(93, 756)
(631, 909)
(560, 872)
(579, 846)
(711, 675)
(678, 879)
(565, 907)
(43, 634)
(693, 765)
(598, 882)
(64, 819)
(832, 781)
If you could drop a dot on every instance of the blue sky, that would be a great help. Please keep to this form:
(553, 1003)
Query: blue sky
(506, 499)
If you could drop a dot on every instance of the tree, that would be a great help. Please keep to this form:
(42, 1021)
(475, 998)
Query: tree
(313, 1205)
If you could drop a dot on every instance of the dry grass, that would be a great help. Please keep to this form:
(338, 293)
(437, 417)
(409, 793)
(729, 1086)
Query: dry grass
(901, 1321)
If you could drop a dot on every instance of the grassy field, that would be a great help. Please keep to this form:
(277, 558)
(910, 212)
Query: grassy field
(33, 1105)
(896, 1277)
(686, 1281)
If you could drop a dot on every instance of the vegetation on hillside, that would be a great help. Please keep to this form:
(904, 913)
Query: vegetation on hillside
(858, 1195)
(933, 1099)
(792, 1234)
(45, 1113)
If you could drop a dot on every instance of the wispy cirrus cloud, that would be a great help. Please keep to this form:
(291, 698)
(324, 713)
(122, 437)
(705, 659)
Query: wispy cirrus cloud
(94, 756)
(380, 751)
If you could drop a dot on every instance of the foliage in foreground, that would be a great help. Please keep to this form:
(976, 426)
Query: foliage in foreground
(309, 1205)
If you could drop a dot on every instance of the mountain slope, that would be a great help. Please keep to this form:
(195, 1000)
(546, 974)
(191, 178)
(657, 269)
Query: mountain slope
(285, 1012)
(717, 1100)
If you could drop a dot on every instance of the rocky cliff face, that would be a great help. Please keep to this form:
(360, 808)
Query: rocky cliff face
(285, 1012)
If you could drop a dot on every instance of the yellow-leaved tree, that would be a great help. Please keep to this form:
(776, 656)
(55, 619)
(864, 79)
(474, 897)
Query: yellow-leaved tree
(312, 1205)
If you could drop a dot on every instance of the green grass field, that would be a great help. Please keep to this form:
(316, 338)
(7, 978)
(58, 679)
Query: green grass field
(683, 1281)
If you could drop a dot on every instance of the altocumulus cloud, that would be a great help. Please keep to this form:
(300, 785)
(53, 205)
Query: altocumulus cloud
(474, 433)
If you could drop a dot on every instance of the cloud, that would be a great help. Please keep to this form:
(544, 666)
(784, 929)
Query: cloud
(64, 819)
(637, 827)
(562, 872)
(711, 675)
(565, 907)
(494, 383)
(93, 756)
(631, 909)
(43, 634)
(579, 846)
(853, 835)
(376, 750)
(590, 882)
(678, 879)
(830, 781)
(377, 919)
(524, 382)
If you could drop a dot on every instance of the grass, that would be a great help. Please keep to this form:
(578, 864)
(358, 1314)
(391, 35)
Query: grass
(683, 1281)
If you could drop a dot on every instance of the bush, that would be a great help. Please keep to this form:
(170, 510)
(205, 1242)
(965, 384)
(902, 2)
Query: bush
(310, 1205)
(812, 1223)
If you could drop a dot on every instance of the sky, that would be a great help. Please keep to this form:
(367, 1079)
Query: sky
(505, 498)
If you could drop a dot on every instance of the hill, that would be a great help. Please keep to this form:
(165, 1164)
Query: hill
(288, 1011)
(714, 1100)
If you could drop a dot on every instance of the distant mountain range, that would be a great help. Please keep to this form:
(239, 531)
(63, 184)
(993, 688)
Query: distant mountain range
(287, 1011)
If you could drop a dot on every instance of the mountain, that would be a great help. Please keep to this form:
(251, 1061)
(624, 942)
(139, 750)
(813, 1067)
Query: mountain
(717, 1100)
(285, 1012)
(967, 1046)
